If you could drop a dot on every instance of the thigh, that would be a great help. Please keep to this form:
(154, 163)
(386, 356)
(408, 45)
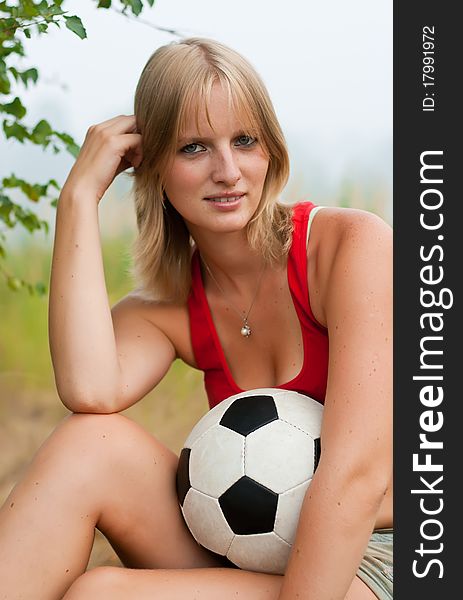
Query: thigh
(360, 591)
(173, 584)
(187, 584)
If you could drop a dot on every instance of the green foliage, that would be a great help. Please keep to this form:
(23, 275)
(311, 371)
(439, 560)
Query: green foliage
(74, 24)
(19, 21)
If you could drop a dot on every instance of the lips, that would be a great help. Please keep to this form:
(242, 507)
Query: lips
(224, 200)
(227, 198)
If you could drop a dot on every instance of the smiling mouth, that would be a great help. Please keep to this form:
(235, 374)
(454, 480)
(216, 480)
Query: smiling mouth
(225, 199)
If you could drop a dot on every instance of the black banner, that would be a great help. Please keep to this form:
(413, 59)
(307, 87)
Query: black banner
(427, 308)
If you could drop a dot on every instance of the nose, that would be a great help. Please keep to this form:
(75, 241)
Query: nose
(226, 168)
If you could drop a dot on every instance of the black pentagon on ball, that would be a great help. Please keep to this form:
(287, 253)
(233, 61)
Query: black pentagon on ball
(249, 413)
(183, 475)
(316, 452)
(249, 507)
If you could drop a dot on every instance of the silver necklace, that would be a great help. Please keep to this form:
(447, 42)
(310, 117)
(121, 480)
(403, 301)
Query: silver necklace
(246, 328)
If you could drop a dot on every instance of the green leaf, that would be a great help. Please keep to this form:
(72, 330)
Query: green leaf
(13, 71)
(40, 288)
(11, 182)
(75, 25)
(15, 108)
(15, 47)
(33, 191)
(104, 4)
(15, 130)
(27, 218)
(73, 149)
(14, 283)
(55, 9)
(5, 86)
(70, 144)
(25, 76)
(27, 33)
(4, 81)
(29, 10)
(41, 132)
(6, 208)
(30, 75)
(151, 2)
(136, 6)
(8, 25)
(54, 203)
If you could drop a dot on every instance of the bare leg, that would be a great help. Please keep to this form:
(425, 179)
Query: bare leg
(112, 583)
(94, 471)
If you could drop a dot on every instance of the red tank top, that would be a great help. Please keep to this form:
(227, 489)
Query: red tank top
(209, 354)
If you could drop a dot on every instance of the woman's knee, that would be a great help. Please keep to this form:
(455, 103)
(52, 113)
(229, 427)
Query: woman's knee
(101, 582)
(104, 435)
(102, 447)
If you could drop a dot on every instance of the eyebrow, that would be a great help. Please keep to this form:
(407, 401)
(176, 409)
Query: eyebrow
(198, 138)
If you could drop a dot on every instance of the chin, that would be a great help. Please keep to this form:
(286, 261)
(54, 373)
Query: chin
(230, 223)
(231, 227)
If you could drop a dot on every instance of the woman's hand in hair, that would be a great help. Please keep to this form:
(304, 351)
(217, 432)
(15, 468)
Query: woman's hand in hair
(109, 148)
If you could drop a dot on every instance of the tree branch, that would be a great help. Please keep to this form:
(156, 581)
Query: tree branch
(148, 23)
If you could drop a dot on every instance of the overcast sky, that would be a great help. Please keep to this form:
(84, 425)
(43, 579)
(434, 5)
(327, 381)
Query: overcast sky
(327, 65)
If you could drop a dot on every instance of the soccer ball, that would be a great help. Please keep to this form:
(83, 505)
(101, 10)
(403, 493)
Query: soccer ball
(243, 473)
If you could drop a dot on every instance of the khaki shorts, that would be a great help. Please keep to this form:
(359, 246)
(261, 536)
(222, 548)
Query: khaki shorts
(376, 567)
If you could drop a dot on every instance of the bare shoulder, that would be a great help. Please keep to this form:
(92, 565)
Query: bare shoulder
(171, 319)
(333, 225)
(341, 237)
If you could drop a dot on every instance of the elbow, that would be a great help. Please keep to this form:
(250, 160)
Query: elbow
(368, 485)
(360, 486)
(87, 401)
(373, 490)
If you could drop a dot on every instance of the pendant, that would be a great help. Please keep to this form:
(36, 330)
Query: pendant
(245, 330)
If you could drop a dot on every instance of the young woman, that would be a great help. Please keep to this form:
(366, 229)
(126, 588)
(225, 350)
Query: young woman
(236, 284)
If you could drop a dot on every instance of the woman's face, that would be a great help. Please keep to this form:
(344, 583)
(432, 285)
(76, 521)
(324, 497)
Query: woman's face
(217, 175)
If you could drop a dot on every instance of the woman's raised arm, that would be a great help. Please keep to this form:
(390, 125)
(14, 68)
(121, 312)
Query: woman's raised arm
(83, 344)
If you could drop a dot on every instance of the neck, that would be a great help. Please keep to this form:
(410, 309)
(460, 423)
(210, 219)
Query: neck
(234, 265)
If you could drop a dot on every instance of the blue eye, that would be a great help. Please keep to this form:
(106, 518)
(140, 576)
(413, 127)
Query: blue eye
(246, 140)
(243, 141)
(189, 149)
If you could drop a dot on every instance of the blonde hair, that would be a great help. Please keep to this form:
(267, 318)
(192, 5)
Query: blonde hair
(178, 78)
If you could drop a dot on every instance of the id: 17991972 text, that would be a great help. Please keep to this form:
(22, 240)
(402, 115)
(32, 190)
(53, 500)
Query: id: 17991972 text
(429, 101)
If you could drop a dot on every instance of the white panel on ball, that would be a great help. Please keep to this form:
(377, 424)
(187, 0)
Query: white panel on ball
(203, 515)
(297, 412)
(279, 456)
(216, 461)
(207, 421)
(265, 552)
(289, 506)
